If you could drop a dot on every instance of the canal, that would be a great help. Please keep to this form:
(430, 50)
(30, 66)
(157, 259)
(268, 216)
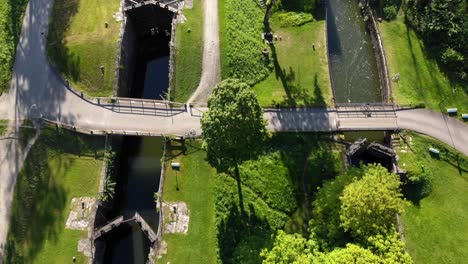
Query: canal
(137, 181)
(152, 26)
(353, 66)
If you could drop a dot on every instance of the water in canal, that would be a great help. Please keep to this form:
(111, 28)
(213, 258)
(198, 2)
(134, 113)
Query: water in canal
(152, 25)
(353, 67)
(137, 181)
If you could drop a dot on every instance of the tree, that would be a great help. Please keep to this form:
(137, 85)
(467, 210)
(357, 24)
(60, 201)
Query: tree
(293, 248)
(369, 205)
(290, 248)
(326, 223)
(234, 129)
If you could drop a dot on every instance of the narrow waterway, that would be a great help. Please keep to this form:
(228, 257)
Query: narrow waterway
(152, 25)
(353, 67)
(137, 181)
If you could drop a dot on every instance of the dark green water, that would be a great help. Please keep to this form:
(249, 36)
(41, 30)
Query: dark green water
(353, 67)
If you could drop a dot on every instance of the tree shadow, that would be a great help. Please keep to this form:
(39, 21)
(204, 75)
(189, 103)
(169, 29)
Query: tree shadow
(295, 93)
(40, 197)
(310, 162)
(66, 61)
(241, 236)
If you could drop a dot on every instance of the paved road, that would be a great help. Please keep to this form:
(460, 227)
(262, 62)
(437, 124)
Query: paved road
(37, 91)
(211, 65)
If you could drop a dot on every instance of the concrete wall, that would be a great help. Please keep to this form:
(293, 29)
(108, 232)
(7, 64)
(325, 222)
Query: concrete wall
(126, 59)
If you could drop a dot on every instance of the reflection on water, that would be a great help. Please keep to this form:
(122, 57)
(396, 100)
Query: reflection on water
(352, 60)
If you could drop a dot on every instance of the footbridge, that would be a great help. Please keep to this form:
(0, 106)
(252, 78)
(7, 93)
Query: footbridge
(141, 117)
(118, 221)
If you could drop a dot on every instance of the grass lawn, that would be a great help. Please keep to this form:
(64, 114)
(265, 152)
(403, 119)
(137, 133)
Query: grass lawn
(3, 126)
(436, 227)
(79, 43)
(11, 14)
(300, 75)
(421, 80)
(189, 53)
(61, 165)
(195, 181)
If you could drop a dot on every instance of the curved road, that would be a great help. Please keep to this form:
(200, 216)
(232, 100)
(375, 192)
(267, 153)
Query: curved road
(37, 91)
(211, 65)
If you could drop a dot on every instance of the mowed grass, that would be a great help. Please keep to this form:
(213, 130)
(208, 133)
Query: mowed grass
(79, 43)
(300, 75)
(436, 230)
(11, 14)
(421, 80)
(189, 53)
(195, 182)
(61, 165)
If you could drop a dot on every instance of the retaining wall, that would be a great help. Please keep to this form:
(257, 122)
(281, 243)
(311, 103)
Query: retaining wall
(385, 86)
(126, 59)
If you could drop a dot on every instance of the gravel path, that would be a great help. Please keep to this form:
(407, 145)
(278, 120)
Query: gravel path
(211, 65)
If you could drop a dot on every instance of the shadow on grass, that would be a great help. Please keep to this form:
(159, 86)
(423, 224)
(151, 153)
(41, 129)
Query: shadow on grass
(241, 236)
(40, 197)
(66, 61)
(310, 161)
(295, 93)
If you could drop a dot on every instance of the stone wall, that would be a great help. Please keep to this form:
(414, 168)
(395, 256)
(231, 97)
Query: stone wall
(126, 59)
(385, 85)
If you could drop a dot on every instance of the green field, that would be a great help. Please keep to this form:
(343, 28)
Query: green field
(11, 14)
(421, 80)
(300, 75)
(79, 43)
(189, 53)
(195, 182)
(61, 165)
(436, 226)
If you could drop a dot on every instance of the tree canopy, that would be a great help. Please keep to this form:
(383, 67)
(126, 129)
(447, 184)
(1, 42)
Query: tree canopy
(359, 201)
(444, 26)
(293, 248)
(234, 129)
(369, 205)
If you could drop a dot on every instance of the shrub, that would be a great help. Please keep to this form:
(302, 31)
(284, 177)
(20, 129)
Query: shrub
(244, 45)
(292, 19)
(390, 12)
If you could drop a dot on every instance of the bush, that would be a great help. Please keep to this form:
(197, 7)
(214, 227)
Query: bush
(269, 178)
(292, 19)
(390, 12)
(244, 45)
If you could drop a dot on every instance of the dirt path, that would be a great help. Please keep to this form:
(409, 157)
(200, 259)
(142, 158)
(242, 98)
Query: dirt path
(211, 65)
